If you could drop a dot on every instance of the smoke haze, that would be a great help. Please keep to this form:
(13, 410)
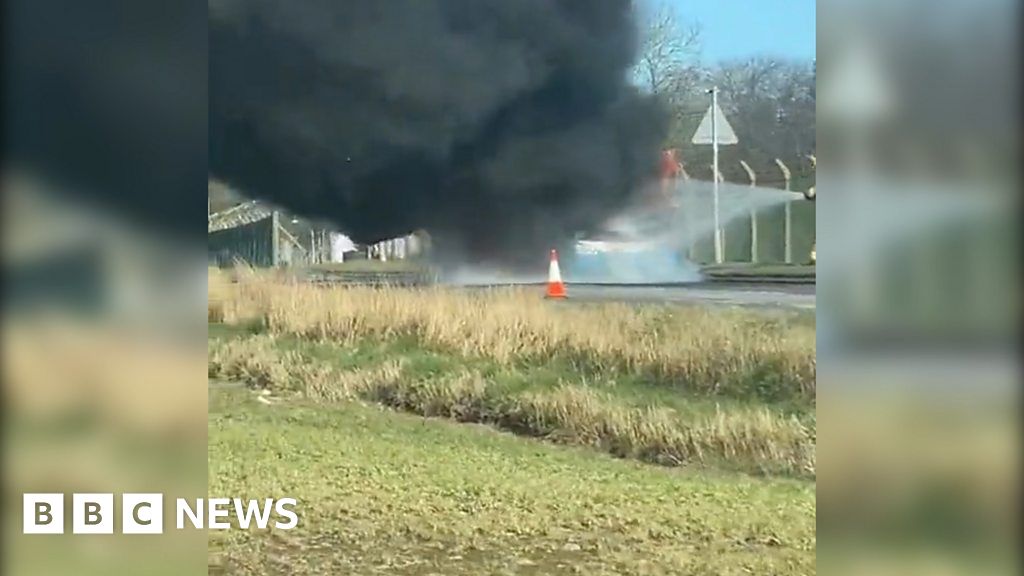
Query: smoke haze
(500, 127)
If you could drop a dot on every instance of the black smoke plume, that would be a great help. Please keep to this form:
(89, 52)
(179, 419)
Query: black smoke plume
(501, 127)
(106, 101)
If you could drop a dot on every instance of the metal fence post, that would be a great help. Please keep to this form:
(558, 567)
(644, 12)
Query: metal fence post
(788, 226)
(753, 213)
(275, 238)
(719, 230)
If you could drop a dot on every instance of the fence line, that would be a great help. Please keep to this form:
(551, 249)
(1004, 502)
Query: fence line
(783, 176)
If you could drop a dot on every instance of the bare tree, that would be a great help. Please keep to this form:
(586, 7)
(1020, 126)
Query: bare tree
(668, 53)
(771, 104)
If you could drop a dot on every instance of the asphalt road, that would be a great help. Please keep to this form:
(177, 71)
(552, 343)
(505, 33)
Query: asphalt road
(770, 295)
(800, 296)
(728, 293)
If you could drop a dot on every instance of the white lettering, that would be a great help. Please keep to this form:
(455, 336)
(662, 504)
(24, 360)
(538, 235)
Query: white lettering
(218, 509)
(185, 510)
(283, 511)
(253, 509)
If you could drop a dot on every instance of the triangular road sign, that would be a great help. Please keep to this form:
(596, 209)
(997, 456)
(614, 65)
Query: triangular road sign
(725, 133)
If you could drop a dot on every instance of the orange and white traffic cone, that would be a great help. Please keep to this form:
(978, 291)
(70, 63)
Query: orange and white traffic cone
(556, 288)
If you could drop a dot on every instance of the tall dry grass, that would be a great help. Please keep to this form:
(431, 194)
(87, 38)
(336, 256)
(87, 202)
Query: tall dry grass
(750, 439)
(712, 351)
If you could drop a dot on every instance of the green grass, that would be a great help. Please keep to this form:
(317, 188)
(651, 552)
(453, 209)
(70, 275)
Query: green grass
(422, 363)
(433, 432)
(387, 493)
(621, 414)
(750, 269)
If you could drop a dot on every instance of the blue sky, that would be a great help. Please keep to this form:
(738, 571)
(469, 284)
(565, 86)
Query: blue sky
(734, 29)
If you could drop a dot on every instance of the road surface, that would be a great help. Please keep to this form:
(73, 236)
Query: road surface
(800, 296)
(771, 295)
(746, 293)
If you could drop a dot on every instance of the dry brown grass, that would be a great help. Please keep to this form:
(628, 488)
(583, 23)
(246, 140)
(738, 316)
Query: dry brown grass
(756, 439)
(218, 292)
(713, 351)
(708, 351)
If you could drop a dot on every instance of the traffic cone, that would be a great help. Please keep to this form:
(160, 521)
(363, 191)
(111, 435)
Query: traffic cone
(556, 289)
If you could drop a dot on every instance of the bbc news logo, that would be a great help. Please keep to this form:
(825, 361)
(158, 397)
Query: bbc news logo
(144, 513)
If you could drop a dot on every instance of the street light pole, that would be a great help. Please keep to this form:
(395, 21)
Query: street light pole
(714, 175)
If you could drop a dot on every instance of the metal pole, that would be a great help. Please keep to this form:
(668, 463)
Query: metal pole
(753, 213)
(788, 224)
(714, 176)
(275, 239)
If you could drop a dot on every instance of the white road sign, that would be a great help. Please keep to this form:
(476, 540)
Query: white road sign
(725, 133)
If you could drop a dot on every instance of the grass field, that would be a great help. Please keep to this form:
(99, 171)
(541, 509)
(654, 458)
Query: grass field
(745, 269)
(386, 493)
(438, 432)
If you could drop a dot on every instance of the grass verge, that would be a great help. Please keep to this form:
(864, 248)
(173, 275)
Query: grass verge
(720, 352)
(752, 270)
(385, 493)
(626, 419)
